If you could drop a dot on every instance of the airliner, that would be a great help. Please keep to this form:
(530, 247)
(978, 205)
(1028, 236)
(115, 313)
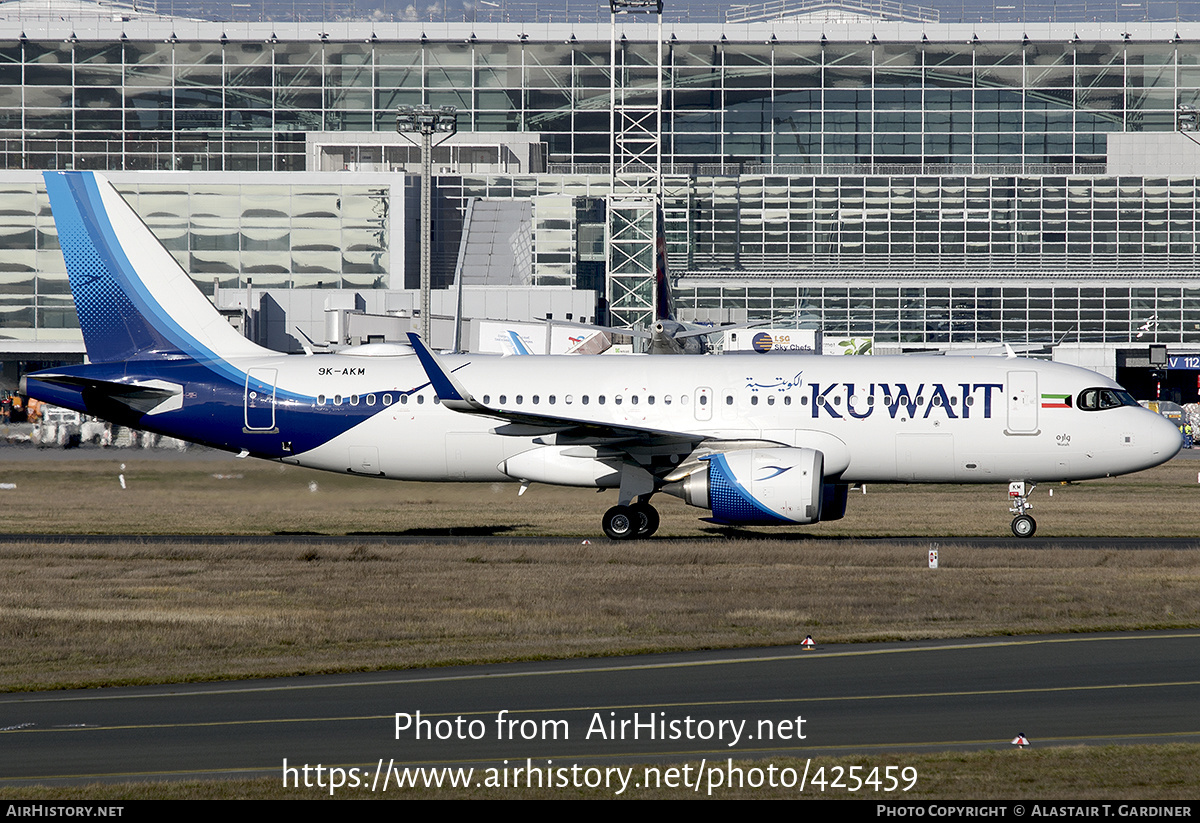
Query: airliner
(752, 440)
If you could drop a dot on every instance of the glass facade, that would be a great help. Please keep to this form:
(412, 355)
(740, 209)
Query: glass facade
(920, 313)
(226, 104)
(310, 235)
(1044, 223)
(918, 186)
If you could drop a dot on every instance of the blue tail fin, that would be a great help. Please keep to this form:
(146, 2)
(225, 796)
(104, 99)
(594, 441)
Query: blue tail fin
(132, 297)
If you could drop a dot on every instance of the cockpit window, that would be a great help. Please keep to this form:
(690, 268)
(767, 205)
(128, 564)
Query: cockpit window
(1100, 399)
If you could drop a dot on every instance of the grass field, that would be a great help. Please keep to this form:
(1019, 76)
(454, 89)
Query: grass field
(80, 615)
(225, 495)
(73, 614)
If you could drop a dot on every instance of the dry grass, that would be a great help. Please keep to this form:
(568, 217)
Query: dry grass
(73, 614)
(224, 495)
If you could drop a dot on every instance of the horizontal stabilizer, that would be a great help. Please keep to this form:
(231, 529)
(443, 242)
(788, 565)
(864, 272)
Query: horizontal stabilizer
(150, 397)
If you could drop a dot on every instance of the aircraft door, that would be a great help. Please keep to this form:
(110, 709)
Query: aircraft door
(1023, 402)
(260, 400)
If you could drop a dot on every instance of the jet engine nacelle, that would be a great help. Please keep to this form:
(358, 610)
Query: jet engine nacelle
(833, 501)
(758, 486)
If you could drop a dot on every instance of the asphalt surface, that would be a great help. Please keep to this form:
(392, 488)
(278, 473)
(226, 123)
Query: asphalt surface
(917, 696)
(490, 539)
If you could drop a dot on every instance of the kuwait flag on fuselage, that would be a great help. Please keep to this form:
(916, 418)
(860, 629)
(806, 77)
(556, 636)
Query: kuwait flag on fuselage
(1056, 401)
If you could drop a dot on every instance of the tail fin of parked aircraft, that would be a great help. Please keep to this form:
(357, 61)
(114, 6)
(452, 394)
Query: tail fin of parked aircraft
(664, 303)
(132, 297)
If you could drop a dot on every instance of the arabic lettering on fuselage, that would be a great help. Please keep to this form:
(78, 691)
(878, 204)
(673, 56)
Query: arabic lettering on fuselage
(780, 383)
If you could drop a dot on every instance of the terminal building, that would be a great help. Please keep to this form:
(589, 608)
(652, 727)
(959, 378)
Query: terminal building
(869, 170)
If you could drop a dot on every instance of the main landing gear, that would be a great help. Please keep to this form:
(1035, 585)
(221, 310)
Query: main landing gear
(627, 522)
(1023, 525)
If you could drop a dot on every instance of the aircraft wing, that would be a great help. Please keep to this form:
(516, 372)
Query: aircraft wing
(456, 397)
(701, 332)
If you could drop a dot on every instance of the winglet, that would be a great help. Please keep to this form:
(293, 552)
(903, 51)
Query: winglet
(518, 344)
(452, 393)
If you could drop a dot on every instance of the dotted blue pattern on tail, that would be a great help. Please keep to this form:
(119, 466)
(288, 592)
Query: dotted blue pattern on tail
(113, 328)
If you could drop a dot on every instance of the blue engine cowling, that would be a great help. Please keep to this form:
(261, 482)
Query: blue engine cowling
(763, 487)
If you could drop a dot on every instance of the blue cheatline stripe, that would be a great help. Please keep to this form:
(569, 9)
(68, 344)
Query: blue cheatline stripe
(730, 501)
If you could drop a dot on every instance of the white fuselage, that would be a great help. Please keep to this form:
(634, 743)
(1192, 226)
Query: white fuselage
(875, 419)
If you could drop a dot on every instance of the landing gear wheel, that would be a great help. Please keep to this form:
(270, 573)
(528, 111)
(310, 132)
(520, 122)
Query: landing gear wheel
(647, 518)
(621, 523)
(1024, 526)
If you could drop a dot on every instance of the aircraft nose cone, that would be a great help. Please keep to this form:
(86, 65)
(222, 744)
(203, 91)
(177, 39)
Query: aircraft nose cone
(1164, 439)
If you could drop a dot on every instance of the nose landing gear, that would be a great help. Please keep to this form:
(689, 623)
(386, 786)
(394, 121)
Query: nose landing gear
(1023, 525)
